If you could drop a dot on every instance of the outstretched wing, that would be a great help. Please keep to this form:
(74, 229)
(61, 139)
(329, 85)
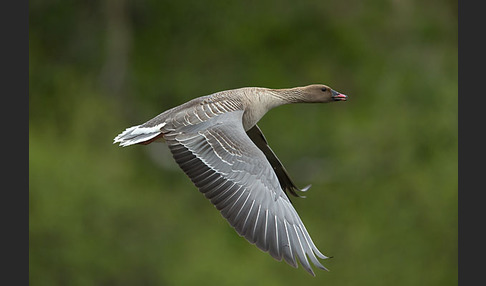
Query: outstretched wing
(234, 174)
(286, 183)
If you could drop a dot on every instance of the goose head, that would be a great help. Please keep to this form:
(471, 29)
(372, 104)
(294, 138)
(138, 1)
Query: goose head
(314, 93)
(319, 93)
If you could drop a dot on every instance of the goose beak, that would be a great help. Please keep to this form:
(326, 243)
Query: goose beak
(336, 96)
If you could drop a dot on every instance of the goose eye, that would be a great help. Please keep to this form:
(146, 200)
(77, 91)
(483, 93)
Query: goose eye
(324, 89)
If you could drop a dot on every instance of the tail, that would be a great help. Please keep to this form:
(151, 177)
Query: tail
(139, 134)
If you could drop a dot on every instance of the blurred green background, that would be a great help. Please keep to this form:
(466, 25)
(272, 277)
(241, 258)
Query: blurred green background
(383, 165)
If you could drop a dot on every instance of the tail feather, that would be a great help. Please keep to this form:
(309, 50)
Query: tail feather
(138, 135)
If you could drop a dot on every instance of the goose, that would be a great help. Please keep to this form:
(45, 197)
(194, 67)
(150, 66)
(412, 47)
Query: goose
(216, 141)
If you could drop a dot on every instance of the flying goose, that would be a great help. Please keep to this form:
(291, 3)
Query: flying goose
(216, 142)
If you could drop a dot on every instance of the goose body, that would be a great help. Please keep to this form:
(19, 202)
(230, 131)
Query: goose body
(216, 142)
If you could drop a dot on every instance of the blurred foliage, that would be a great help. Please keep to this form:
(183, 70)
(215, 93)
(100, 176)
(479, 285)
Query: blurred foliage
(383, 166)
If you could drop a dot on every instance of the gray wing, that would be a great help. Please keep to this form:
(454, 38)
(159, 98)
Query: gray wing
(286, 183)
(229, 169)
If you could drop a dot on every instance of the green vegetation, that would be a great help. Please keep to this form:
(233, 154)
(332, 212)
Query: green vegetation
(383, 166)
